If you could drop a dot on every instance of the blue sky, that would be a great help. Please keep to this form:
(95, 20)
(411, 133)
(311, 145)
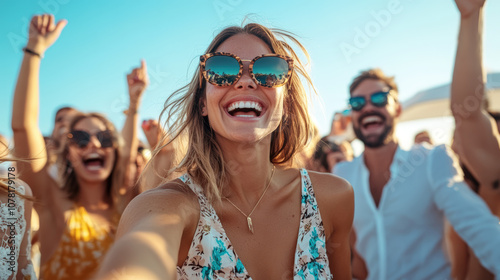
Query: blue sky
(415, 40)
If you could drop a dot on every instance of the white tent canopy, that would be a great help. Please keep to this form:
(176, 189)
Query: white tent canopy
(435, 102)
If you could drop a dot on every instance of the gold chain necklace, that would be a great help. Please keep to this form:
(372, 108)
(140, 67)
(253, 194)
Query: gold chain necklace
(249, 220)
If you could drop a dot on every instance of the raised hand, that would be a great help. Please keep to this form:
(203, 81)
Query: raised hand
(468, 7)
(153, 132)
(137, 82)
(43, 32)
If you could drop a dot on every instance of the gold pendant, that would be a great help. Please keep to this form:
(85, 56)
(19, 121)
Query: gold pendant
(250, 225)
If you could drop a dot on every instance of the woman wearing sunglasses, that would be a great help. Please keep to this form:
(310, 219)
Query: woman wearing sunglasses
(78, 219)
(240, 211)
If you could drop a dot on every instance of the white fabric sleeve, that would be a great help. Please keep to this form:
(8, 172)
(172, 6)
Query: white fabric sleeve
(467, 212)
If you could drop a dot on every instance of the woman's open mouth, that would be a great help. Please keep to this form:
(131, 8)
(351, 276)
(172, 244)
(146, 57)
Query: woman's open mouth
(245, 109)
(93, 162)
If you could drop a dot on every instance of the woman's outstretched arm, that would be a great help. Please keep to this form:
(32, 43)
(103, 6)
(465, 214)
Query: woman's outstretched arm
(149, 236)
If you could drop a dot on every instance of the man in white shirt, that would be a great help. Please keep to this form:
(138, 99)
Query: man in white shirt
(402, 197)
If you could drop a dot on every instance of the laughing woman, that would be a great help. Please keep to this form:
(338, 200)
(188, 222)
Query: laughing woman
(79, 218)
(239, 211)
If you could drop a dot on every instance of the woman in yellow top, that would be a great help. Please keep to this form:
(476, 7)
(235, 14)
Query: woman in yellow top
(77, 220)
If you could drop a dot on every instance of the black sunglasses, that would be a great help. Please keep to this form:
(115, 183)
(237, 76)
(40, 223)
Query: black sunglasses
(225, 69)
(82, 138)
(378, 99)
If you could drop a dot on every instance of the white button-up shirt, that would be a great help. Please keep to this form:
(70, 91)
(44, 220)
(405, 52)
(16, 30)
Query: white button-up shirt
(404, 237)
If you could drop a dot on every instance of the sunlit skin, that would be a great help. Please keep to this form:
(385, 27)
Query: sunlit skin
(481, 154)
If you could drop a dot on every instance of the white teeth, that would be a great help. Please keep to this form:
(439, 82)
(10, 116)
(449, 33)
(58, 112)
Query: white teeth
(93, 156)
(246, 116)
(243, 105)
(372, 119)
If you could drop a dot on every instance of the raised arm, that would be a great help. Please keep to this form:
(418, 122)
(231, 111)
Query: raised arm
(28, 139)
(137, 82)
(481, 154)
(149, 236)
(162, 162)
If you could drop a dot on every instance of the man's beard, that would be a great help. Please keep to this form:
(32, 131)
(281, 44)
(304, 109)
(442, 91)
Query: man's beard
(374, 141)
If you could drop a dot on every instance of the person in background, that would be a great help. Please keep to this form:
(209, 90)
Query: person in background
(477, 136)
(329, 153)
(16, 203)
(165, 158)
(402, 196)
(423, 136)
(78, 218)
(341, 129)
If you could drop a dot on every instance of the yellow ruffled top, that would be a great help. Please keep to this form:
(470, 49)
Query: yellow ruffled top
(82, 248)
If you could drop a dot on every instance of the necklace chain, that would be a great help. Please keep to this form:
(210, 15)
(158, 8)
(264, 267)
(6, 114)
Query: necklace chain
(249, 220)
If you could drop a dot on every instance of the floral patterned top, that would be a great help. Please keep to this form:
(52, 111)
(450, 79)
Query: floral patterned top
(212, 256)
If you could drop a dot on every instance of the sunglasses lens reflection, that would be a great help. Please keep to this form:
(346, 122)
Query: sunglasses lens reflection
(357, 103)
(222, 70)
(379, 99)
(270, 71)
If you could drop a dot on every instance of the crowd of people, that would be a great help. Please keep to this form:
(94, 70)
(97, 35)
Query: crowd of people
(240, 185)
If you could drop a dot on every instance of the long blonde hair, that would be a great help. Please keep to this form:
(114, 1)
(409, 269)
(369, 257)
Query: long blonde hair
(203, 159)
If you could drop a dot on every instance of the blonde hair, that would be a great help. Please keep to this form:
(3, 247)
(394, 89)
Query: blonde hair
(115, 179)
(203, 159)
(6, 181)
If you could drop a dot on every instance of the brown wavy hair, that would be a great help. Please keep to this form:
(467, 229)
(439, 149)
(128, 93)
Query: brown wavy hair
(374, 74)
(203, 159)
(115, 180)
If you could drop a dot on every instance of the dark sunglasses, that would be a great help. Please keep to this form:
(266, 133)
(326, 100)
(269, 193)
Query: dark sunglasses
(378, 99)
(225, 69)
(82, 138)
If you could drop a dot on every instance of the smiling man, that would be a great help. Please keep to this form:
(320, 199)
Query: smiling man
(403, 196)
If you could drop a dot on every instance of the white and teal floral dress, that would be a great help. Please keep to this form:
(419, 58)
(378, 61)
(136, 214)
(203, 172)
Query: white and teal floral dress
(212, 256)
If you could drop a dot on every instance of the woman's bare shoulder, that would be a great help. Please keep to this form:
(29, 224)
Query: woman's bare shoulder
(335, 198)
(329, 184)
